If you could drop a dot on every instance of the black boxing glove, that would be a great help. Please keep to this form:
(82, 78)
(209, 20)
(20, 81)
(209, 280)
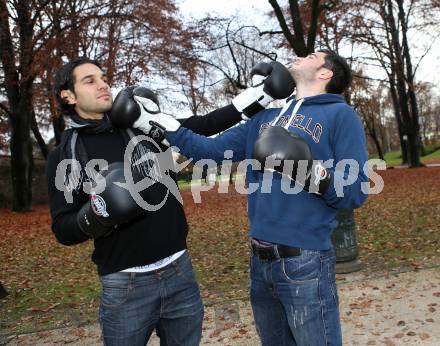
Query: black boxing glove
(275, 148)
(138, 107)
(270, 81)
(111, 207)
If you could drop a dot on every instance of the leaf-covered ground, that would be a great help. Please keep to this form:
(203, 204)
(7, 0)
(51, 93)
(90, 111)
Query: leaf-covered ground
(400, 227)
(52, 285)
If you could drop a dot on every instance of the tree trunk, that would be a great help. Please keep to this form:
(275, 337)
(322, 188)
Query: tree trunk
(378, 146)
(403, 138)
(73, 49)
(398, 117)
(406, 102)
(19, 76)
(398, 67)
(40, 140)
(301, 42)
(413, 150)
(415, 144)
(112, 44)
(21, 159)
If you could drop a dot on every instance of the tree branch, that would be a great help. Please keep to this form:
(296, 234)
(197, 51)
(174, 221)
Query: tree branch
(282, 22)
(35, 130)
(267, 55)
(273, 32)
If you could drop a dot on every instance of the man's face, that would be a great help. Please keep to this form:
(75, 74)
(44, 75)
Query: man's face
(308, 68)
(92, 96)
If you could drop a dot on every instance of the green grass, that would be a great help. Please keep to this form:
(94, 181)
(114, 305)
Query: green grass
(184, 184)
(433, 152)
(394, 158)
(34, 308)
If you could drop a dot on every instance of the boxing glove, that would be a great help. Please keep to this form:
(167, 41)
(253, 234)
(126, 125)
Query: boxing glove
(275, 146)
(110, 208)
(139, 107)
(270, 81)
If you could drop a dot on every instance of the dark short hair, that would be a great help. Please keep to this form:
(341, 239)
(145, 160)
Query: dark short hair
(65, 80)
(341, 72)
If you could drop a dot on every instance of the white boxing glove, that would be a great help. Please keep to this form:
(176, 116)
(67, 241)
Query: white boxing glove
(152, 122)
(270, 81)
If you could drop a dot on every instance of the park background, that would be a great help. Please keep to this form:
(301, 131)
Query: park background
(197, 56)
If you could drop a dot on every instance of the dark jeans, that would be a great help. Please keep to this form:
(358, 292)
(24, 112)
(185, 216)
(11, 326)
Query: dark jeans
(134, 304)
(295, 301)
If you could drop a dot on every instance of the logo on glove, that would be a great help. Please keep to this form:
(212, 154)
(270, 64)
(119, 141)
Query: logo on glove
(157, 132)
(159, 172)
(98, 205)
(320, 173)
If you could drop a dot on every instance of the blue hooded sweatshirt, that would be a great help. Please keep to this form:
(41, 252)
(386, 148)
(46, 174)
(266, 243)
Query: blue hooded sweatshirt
(277, 214)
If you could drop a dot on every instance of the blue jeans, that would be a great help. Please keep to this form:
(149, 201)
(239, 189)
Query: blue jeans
(295, 300)
(134, 304)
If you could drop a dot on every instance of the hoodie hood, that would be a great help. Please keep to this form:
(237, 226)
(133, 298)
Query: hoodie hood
(323, 99)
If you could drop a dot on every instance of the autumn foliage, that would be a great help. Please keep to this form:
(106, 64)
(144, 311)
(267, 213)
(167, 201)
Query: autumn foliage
(52, 285)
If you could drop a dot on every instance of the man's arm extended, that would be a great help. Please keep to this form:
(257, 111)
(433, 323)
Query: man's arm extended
(200, 147)
(214, 122)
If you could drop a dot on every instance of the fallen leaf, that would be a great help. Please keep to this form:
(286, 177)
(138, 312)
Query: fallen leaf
(214, 334)
(424, 336)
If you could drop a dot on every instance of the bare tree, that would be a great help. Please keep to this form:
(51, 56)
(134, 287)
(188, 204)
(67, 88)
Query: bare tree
(369, 101)
(230, 54)
(428, 106)
(384, 27)
(17, 56)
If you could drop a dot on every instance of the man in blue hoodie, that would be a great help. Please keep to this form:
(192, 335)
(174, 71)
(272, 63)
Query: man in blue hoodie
(293, 290)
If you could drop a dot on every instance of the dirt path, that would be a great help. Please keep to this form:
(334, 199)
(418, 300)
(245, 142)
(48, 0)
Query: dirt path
(402, 309)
